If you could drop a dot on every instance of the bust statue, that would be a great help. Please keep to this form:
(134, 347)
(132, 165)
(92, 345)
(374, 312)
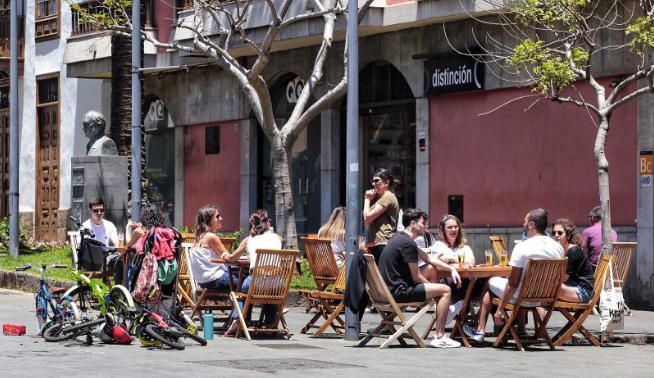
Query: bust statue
(99, 144)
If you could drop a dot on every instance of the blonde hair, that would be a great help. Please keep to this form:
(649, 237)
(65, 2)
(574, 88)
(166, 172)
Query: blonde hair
(334, 229)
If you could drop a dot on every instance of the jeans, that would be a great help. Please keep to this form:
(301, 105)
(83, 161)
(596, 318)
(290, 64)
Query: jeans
(269, 310)
(221, 283)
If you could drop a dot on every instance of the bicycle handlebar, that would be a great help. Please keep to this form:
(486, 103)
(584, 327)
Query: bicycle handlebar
(29, 266)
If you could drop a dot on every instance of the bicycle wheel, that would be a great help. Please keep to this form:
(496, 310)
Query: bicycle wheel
(69, 329)
(83, 297)
(121, 303)
(180, 331)
(70, 311)
(42, 316)
(164, 336)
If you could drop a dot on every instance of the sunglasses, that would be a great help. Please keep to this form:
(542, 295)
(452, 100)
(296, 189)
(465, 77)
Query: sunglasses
(98, 211)
(559, 233)
(376, 180)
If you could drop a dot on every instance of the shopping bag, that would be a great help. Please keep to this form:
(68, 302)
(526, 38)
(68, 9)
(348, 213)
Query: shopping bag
(611, 306)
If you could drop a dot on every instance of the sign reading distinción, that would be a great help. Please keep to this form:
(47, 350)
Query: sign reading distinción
(453, 74)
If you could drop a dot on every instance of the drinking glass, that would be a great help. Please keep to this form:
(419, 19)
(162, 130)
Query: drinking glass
(462, 258)
(504, 258)
(121, 239)
(489, 257)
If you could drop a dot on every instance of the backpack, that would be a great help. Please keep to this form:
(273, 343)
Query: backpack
(147, 288)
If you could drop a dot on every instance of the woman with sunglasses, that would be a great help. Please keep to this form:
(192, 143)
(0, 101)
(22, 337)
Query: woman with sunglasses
(578, 284)
(380, 212)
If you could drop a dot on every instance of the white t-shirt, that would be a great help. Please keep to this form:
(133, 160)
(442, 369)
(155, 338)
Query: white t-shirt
(203, 269)
(536, 247)
(104, 233)
(338, 248)
(445, 253)
(267, 240)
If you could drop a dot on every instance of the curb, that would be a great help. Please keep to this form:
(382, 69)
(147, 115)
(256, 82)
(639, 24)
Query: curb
(26, 282)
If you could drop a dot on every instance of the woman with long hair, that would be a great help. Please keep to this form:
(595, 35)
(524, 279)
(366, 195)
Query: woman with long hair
(452, 241)
(380, 212)
(334, 229)
(578, 284)
(208, 246)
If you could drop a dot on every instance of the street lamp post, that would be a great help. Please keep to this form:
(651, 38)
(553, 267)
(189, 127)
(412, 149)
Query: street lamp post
(136, 110)
(13, 129)
(353, 191)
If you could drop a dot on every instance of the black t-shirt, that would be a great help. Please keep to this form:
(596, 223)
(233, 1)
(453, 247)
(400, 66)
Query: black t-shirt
(394, 262)
(579, 270)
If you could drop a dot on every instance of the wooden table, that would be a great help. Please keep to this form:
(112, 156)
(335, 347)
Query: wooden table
(472, 273)
(243, 266)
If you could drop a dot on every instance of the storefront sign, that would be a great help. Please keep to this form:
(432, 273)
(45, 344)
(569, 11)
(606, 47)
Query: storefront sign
(453, 74)
(293, 90)
(645, 168)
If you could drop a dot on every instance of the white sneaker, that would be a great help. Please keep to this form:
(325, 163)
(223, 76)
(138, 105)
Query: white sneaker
(472, 333)
(453, 311)
(444, 342)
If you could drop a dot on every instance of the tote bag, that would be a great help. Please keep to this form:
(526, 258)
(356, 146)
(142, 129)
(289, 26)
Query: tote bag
(611, 306)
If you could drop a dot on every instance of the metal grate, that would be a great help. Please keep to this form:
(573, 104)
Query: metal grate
(273, 365)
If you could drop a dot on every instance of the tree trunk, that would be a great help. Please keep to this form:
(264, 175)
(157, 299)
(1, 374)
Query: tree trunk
(603, 173)
(121, 95)
(284, 205)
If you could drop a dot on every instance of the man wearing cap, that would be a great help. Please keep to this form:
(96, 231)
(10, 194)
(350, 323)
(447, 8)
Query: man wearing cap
(593, 236)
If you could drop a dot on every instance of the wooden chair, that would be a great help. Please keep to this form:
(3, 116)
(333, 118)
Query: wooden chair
(623, 253)
(498, 245)
(74, 239)
(581, 310)
(328, 304)
(540, 284)
(271, 279)
(322, 264)
(200, 298)
(388, 309)
(184, 287)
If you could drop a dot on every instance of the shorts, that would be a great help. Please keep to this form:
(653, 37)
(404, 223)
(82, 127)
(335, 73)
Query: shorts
(411, 294)
(497, 285)
(583, 293)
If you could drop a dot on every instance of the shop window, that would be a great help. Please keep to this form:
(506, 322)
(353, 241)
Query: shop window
(212, 140)
(46, 19)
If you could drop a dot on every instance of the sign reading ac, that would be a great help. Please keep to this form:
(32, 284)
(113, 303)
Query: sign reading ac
(293, 90)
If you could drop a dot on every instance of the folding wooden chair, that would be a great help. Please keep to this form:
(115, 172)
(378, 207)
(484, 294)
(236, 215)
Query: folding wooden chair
(322, 264)
(388, 309)
(581, 310)
(204, 299)
(184, 287)
(540, 287)
(329, 304)
(271, 278)
(623, 253)
(498, 245)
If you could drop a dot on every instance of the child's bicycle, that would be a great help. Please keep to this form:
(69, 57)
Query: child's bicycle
(50, 306)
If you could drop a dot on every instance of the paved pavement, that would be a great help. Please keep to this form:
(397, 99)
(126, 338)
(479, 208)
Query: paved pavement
(30, 355)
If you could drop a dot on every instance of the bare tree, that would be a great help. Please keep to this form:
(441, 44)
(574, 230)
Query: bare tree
(217, 26)
(552, 45)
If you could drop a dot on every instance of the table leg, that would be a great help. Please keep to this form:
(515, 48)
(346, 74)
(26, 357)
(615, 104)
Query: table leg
(458, 328)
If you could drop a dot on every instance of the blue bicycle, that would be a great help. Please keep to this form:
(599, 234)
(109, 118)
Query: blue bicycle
(50, 306)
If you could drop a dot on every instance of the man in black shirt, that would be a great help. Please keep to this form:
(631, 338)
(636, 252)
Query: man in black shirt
(398, 265)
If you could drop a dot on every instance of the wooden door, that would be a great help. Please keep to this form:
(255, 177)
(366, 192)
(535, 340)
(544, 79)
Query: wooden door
(47, 159)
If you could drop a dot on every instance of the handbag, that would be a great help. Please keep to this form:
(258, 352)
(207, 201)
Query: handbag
(611, 306)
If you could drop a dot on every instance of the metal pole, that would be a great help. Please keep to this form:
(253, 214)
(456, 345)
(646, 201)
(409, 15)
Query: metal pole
(13, 130)
(136, 110)
(353, 191)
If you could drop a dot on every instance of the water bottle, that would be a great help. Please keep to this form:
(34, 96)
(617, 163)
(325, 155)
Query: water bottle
(207, 325)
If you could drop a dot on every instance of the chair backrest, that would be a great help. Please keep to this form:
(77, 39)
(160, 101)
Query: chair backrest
(228, 242)
(498, 245)
(321, 261)
(74, 237)
(622, 253)
(271, 276)
(188, 237)
(542, 280)
(339, 285)
(376, 286)
(600, 277)
(186, 252)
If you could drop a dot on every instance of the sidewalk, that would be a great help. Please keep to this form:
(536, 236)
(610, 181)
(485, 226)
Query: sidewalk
(30, 355)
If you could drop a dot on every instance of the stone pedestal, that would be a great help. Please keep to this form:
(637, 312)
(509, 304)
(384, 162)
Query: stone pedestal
(100, 177)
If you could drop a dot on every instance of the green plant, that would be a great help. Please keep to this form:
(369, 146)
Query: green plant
(304, 280)
(59, 256)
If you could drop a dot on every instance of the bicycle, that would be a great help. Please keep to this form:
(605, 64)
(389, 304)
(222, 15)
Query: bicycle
(93, 294)
(49, 305)
(152, 330)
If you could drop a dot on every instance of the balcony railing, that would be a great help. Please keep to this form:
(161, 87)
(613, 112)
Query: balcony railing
(5, 34)
(80, 27)
(185, 4)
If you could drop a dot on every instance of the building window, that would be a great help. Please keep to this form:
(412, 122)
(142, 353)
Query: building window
(212, 140)
(46, 20)
(81, 27)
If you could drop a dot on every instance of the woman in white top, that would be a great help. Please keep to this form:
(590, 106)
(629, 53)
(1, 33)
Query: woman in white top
(261, 237)
(334, 229)
(208, 246)
(452, 242)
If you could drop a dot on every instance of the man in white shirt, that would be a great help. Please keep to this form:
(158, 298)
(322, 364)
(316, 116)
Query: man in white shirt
(104, 231)
(537, 246)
